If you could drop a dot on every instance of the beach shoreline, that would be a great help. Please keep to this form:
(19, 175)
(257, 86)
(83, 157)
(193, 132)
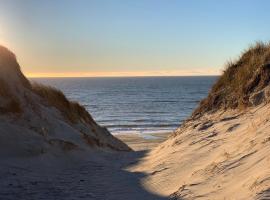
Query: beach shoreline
(140, 143)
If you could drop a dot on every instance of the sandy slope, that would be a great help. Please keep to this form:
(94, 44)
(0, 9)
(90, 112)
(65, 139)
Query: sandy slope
(34, 124)
(220, 156)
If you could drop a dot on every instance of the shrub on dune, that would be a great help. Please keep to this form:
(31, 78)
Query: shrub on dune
(72, 111)
(240, 79)
(11, 103)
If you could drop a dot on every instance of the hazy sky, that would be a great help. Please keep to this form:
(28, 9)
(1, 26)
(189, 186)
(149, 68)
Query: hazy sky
(130, 37)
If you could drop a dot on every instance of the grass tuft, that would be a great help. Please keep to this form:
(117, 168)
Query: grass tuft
(248, 74)
(72, 111)
(12, 104)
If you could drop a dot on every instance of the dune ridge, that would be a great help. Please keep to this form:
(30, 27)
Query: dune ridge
(244, 82)
(37, 119)
(222, 150)
(220, 156)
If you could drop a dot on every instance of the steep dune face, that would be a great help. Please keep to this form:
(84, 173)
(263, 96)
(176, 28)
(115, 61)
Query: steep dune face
(36, 119)
(222, 150)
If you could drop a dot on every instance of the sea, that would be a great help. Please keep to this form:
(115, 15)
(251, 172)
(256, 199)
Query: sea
(136, 105)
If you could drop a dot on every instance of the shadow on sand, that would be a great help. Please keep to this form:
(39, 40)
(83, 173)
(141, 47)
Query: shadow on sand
(264, 194)
(101, 177)
(122, 184)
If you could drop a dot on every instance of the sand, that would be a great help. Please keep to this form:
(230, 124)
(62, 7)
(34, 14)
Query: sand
(90, 175)
(220, 156)
(139, 143)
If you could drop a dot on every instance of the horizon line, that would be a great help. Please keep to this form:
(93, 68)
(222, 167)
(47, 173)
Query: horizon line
(180, 73)
(134, 76)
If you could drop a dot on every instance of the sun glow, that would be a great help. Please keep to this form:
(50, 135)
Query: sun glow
(128, 73)
(4, 36)
(1, 35)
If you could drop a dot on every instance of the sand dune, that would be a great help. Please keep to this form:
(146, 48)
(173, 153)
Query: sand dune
(37, 119)
(221, 156)
(51, 148)
(222, 150)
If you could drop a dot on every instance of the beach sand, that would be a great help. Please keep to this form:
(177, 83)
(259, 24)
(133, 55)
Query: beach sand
(219, 156)
(91, 175)
(140, 143)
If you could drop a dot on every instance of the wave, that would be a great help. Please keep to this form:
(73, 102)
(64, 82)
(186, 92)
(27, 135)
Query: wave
(142, 126)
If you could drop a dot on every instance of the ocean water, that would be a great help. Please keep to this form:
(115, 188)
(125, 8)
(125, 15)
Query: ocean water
(136, 105)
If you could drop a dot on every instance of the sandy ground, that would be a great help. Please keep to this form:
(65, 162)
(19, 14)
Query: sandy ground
(103, 176)
(139, 143)
(220, 156)
(93, 175)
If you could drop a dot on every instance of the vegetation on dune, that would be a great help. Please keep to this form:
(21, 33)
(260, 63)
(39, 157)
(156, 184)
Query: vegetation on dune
(19, 96)
(72, 111)
(9, 66)
(12, 104)
(4, 89)
(240, 79)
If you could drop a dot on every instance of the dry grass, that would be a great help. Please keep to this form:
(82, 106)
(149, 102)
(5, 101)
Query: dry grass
(64, 145)
(12, 105)
(4, 89)
(9, 65)
(70, 110)
(250, 73)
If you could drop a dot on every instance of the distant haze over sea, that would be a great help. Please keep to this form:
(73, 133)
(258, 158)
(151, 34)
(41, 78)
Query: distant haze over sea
(142, 105)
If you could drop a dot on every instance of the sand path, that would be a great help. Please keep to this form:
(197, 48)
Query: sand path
(93, 176)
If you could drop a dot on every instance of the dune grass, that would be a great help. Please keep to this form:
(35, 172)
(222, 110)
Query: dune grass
(12, 105)
(4, 89)
(72, 111)
(241, 78)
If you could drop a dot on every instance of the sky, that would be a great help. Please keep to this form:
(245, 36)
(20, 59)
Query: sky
(130, 37)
